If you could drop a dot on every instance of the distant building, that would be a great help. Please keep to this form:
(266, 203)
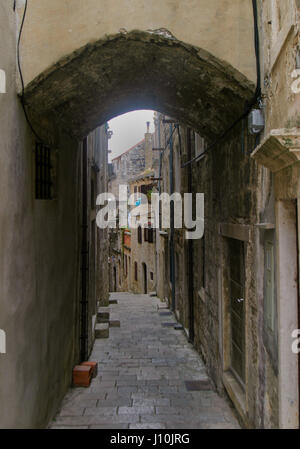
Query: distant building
(132, 251)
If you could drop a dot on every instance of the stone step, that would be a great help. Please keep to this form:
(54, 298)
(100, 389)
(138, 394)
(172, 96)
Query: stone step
(102, 330)
(103, 310)
(103, 317)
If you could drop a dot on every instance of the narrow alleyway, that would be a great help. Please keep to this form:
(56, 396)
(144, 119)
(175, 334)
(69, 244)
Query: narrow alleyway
(143, 367)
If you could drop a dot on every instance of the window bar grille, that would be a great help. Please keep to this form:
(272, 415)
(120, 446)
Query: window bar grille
(43, 167)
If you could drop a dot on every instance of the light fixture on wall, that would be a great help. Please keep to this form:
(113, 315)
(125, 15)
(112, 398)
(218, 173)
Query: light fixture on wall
(256, 121)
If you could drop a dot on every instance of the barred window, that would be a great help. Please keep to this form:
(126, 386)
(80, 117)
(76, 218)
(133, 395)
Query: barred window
(135, 271)
(43, 181)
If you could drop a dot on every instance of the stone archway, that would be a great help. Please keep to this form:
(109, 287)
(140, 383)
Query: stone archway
(138, 70)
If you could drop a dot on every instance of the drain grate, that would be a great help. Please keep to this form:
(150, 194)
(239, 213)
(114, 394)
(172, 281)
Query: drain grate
(113, 301)
(168, 324)
(165, 313)
(198, 385)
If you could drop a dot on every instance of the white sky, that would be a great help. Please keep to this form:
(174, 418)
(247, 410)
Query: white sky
(128, 129)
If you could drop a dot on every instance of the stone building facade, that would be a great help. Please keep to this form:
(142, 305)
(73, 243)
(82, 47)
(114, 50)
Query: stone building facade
(123, 167)
(212, 287)
(278, 157)
(132, 255)
(97, 282)
(240, 306)
(142, 256)
(126, 166)
(236, 291)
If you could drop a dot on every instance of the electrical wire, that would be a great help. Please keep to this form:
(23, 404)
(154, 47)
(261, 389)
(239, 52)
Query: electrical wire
(256, 98)
(169, 140)
(161, 154)
(257, 48)
(21, 75)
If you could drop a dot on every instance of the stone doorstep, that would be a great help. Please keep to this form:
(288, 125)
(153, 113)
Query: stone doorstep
(103, 317)
(102, 330)
(104, 310)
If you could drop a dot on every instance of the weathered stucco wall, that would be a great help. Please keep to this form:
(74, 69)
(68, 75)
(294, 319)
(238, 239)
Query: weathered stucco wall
(38, 263)
(58, 28)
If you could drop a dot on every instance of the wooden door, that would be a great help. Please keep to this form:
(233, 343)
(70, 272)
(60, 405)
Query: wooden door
(237, 307)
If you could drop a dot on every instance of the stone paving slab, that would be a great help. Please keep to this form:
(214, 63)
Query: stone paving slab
(142, 369)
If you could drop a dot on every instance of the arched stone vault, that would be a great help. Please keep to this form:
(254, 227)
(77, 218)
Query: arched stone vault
(139, 70)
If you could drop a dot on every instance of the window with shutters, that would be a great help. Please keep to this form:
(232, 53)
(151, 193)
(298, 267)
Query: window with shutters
(139, 234)
(150, 235)
(135, 271)
(146, 231)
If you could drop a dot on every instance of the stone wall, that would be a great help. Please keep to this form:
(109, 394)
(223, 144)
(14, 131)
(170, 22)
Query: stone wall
(40, 258)
(39, 265)
(97, 183)
(278, 366)
(127, 166)
(230, 180)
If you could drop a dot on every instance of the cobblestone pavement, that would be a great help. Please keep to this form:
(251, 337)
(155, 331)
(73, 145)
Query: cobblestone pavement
(141, 378)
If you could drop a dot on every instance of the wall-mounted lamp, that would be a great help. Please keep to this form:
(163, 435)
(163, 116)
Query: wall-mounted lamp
(256, 121)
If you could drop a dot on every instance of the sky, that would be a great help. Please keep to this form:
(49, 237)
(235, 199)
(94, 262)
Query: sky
(128, 129)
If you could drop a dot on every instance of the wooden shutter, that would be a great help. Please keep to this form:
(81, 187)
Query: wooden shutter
(139, 234)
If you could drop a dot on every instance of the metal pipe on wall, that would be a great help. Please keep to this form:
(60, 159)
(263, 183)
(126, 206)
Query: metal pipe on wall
(172, 252)
(84, 258)
(190, 248)
(298, 280)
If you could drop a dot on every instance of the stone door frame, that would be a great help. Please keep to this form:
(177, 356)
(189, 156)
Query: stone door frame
(280, 153)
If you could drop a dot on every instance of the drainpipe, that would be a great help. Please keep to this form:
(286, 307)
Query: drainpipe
(190, 249)
(160, 159)
(172, 258)
(155, 218)
(298, 283)
(84, 259)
